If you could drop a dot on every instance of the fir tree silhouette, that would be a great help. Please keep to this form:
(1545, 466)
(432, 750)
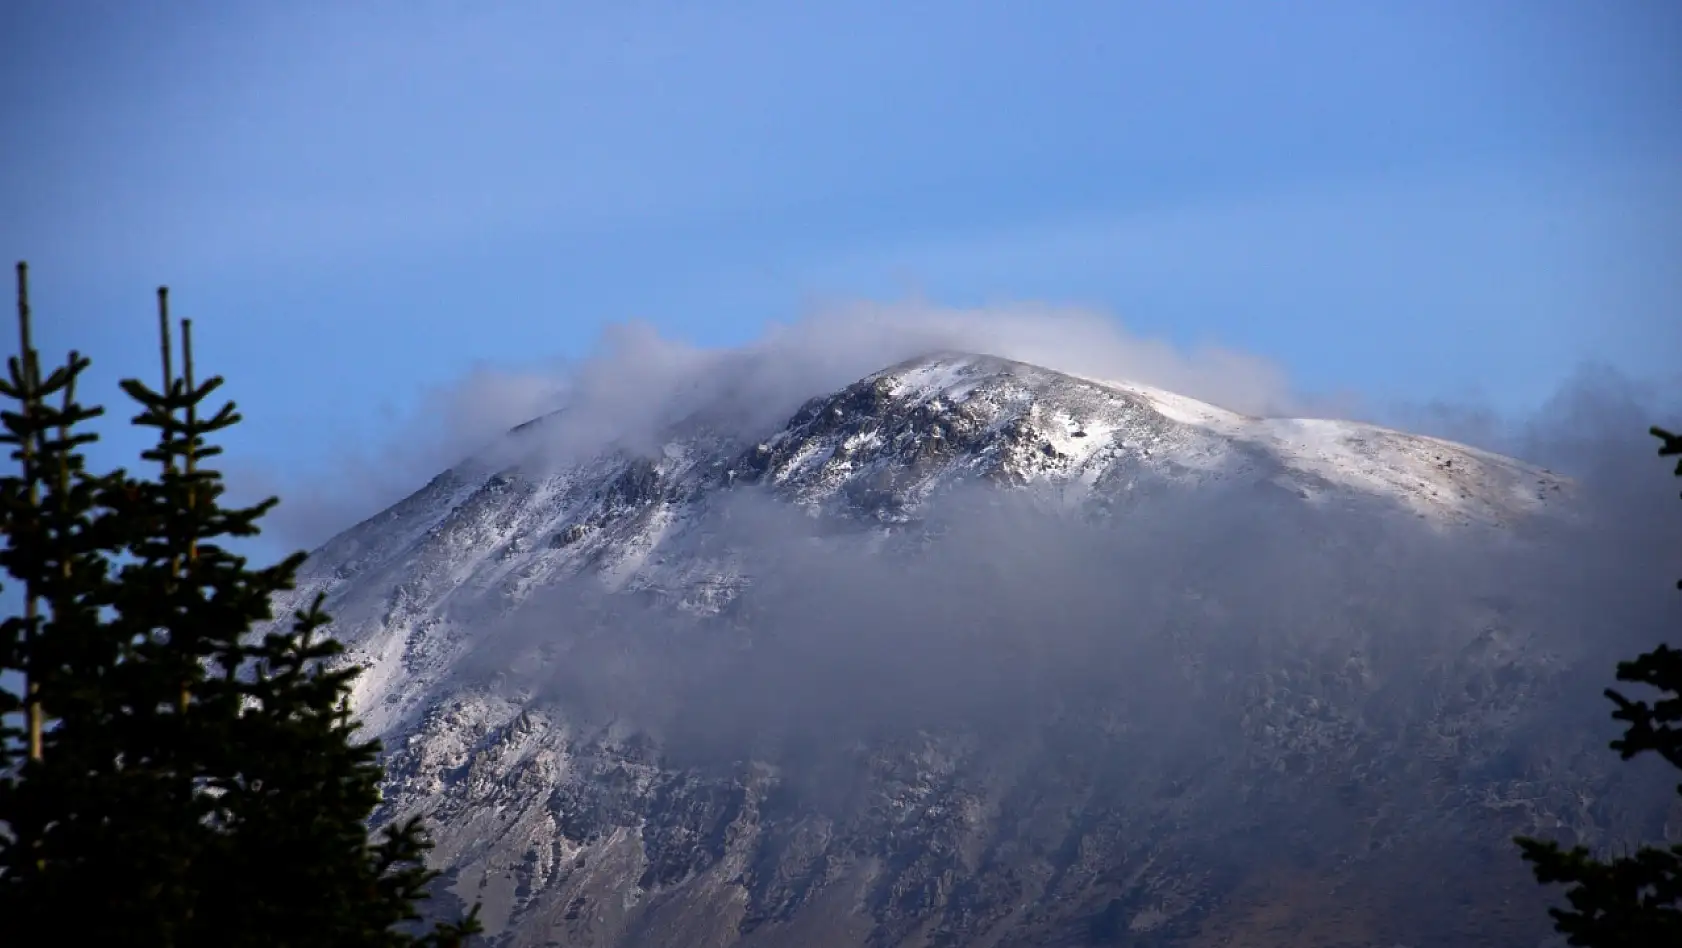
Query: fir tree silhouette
(1632, 901)
(169, 777)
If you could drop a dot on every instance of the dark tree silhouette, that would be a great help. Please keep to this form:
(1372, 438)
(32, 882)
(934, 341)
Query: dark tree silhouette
(168, 776)
(1630, 901)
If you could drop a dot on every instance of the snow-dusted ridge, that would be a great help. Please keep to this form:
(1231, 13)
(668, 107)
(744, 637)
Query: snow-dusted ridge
(875, 449)
(1419, 469)
(582, 833)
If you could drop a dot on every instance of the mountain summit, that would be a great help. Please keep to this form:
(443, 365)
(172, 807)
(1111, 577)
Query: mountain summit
(972, 652)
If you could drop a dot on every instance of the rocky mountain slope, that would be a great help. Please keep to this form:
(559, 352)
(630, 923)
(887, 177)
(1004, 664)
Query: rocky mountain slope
(971, 652)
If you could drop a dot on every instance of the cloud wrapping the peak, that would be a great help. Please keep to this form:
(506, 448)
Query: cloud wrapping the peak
(858, 338)
(628, 392)
(637, 382)
(1211, 604)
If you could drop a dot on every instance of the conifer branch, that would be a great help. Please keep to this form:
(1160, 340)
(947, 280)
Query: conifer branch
(166, 429)
(191, 462)
(243, 823)
(190, 467)
(30, 373)
(1631, 899)
(164, 350)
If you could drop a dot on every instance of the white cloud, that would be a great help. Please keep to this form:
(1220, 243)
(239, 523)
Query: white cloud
(637, 382)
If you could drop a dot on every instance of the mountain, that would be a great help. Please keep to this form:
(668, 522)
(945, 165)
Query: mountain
(971, 652)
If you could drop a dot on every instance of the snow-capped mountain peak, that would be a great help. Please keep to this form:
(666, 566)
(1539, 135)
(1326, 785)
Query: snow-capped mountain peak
(568, 824)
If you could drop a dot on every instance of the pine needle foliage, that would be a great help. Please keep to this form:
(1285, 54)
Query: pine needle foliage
(1632, 901)
(169, 777)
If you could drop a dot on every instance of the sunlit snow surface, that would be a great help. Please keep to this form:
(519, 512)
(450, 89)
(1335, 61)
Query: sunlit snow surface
(405, 586)
(558, 824)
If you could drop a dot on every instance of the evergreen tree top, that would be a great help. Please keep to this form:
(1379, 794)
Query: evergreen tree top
(176, 779)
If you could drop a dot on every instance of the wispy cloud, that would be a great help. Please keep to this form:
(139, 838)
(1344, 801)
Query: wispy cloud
(637, 382)
(1012, 613)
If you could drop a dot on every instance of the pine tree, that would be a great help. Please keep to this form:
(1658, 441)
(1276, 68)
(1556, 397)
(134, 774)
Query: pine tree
(1630, 901)
(181, 781)
(58, 537)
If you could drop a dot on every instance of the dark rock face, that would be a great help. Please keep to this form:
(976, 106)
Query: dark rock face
(953, 844)
(1319, 786)
(637, 486)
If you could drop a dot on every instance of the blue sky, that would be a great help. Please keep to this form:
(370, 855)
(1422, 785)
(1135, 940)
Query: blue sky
(360, 203)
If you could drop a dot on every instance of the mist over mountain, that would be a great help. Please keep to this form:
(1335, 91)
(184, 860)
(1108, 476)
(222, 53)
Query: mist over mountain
(635, 382)
(971, 651)
(919, 475)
